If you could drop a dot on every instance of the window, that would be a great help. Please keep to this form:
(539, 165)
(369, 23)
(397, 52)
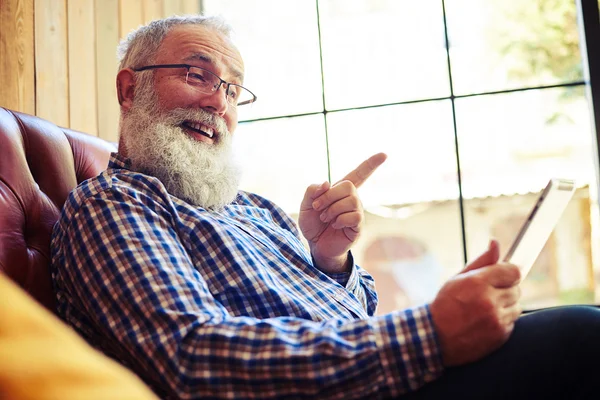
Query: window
(477, 103)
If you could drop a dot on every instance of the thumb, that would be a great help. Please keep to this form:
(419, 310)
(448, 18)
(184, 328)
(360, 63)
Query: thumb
(503, 275)
(491, 256)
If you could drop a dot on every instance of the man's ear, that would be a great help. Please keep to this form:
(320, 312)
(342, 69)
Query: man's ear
(125, 86)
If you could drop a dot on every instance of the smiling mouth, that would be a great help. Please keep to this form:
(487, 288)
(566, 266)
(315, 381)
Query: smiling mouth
(199, 128)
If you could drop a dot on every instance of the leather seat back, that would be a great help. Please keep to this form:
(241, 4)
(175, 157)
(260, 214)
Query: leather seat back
(40, 163)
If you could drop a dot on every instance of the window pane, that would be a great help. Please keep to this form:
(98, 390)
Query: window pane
(281, 157)
(510, 146)
(505, 44)
(412, 237)
(280, 46)
(385, 51)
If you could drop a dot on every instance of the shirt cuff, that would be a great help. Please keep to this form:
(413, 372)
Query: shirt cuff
(411, 355)
(347, 279)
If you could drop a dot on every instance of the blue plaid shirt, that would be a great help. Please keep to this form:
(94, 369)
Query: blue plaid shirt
(228, 304)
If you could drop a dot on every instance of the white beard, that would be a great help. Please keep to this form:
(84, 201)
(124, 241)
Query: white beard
(200, 173)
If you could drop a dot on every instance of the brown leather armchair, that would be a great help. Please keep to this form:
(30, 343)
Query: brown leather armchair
(40, 163)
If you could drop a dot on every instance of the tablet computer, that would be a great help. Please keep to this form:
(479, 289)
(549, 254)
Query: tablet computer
(539, 224)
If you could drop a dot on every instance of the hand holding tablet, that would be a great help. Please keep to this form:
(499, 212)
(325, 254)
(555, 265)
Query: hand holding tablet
(539, 225)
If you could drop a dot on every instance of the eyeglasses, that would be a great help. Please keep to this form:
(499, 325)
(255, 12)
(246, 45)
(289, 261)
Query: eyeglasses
(204, 81)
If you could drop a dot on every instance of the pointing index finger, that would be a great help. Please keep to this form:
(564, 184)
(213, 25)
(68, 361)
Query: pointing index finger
(359, 175)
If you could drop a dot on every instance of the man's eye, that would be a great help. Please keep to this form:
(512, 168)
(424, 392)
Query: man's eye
(233, 94)
(196, 77)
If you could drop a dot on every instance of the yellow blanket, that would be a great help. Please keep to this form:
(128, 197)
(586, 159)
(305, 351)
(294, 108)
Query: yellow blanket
(42, 358)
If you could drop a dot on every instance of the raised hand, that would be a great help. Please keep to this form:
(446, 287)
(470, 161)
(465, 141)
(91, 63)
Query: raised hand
(474, 312)
(331, 216)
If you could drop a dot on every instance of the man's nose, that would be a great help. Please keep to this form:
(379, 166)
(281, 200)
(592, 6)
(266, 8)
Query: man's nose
(216, 101)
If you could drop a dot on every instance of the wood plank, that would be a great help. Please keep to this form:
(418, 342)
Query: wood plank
(152, 9)
(192, 6)
(51, 65)
(107, 35)
(82, 66)
(17, 55)
(130, 16)
(172, 7)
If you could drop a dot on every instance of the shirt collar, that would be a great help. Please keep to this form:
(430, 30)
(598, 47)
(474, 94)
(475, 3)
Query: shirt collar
(119, 161)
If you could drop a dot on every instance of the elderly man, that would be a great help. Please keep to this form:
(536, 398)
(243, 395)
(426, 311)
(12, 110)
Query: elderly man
(208, 292)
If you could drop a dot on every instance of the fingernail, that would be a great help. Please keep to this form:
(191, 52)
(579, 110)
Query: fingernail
(316, 204)
(323, 217)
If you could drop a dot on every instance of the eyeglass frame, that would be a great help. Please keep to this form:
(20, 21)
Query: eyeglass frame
(215, 89)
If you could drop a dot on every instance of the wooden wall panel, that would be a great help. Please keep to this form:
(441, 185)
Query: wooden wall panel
(181, 7)
(51, 68)
(130, 16)
(17, 56)
(58, 57)
(152, 9)
(107, 32)
(192, 6)
(172, 7)
(82, 66)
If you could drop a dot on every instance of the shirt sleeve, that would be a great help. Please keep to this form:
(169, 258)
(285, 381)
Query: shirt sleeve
(360, 283)
(357, 281)
(138, 288)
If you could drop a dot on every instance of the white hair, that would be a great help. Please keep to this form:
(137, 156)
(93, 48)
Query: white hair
(141, 45)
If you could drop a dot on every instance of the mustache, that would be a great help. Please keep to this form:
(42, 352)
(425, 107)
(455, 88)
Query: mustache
(177, 116)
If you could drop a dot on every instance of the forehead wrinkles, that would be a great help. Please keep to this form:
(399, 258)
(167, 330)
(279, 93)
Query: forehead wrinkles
(183, 42)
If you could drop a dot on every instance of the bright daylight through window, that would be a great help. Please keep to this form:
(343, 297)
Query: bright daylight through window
(490, 89)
